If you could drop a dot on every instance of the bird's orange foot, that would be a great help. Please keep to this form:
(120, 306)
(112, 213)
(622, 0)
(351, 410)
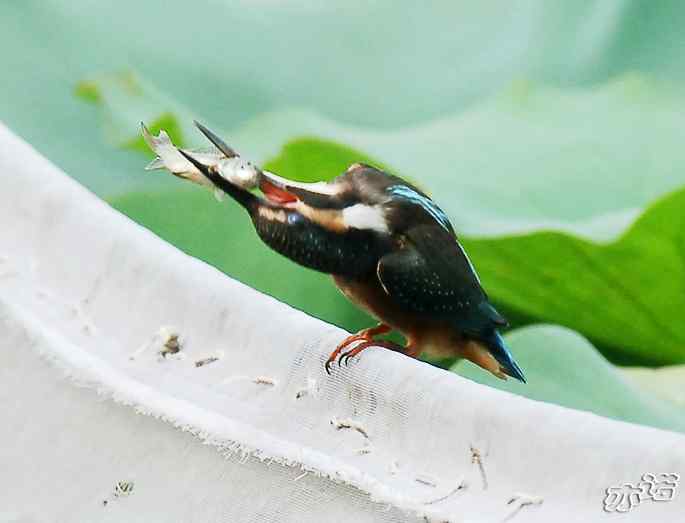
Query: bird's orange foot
(365, 336)
(345, 358)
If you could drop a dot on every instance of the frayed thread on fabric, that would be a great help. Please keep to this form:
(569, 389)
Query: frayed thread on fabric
(88, 371)
(350, 424)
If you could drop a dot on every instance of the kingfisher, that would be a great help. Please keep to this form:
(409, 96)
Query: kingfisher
(390, 249)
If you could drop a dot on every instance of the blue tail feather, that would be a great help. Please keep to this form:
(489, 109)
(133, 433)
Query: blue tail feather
(498, 348)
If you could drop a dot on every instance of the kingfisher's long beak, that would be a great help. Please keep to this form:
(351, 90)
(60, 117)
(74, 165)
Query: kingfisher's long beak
(242, 196)
(218, 142)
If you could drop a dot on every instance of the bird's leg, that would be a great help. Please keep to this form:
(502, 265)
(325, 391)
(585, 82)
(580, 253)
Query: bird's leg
(345, 358)
(364, 335)
(411, 349)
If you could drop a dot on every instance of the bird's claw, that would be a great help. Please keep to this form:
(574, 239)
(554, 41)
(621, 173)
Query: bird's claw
(365, 338)
(340, 359)
(338, 353)
(343, 359)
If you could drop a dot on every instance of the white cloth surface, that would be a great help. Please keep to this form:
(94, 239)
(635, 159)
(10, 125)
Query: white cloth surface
(89, 402)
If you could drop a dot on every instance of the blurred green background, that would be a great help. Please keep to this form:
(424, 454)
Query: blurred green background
(551, 132)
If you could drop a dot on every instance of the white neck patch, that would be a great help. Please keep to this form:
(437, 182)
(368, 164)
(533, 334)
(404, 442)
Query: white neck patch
(365, 217)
